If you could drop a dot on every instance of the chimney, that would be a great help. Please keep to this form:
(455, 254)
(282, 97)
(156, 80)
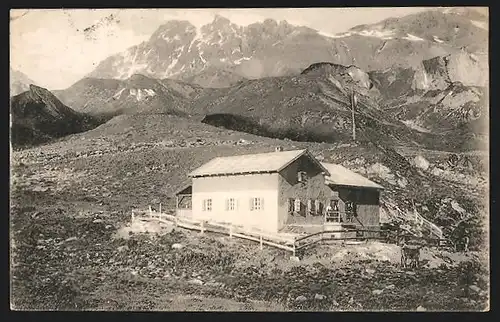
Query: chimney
(279, 149)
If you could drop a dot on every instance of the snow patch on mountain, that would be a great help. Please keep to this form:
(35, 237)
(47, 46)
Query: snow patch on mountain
(480, 24)
(412, 38)
(170, 66)
(413, 125)
(436, 39)
(326, 34)
(140, 94)
(383, 34)
(238, 61)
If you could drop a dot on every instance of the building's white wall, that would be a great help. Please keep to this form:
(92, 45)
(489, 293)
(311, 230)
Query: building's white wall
(241, 188)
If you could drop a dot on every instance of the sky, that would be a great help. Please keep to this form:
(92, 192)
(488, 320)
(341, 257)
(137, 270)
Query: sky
(53, 49)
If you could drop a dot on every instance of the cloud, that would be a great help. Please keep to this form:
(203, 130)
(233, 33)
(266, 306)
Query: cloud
(56, 58)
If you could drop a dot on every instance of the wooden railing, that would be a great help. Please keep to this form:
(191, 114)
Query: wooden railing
(288, 243)
(432, 228)
(345, 217)
(264, 238)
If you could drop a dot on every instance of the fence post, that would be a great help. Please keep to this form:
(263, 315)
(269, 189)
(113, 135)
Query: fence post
(160, 208)
(261, 246)
(202, 226)
(150, 212)
(294, 248)
(133, 217)
(175, 221)
(231, 231)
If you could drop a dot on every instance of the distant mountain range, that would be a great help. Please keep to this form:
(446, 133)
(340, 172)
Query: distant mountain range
(222, 53)
(19, 82)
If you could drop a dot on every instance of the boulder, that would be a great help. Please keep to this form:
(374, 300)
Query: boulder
(475, 288)
(122, 248)
(195, 281)
(370, 271)
(421, 163)
(300, 298)
(319, 297)
(177, 246)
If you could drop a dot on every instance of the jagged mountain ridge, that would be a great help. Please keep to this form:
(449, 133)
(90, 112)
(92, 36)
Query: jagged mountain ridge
(38, 116)
(179, 50)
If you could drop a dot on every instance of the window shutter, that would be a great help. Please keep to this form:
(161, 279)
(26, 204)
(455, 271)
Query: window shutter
(251, 203)
(262, 203)
(227, 204)
(203, 205)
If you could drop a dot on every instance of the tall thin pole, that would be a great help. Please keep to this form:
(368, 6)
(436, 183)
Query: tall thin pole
(353, 107)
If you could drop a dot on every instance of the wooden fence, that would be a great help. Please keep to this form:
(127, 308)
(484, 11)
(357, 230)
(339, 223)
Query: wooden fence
(432, 228)
(290, 243)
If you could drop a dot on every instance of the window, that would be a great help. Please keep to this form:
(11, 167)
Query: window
(296, 205)
(290, 205)
(317, 207)
(312, 206)
(207, 205)
(301, 176)
(230, 204)
(256, 204)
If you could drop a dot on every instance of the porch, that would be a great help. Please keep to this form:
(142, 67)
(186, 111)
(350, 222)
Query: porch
(184, 202)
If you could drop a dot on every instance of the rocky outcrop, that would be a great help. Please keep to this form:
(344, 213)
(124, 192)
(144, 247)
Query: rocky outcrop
(38, 116)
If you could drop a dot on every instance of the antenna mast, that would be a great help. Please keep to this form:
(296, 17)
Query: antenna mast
(353, 108)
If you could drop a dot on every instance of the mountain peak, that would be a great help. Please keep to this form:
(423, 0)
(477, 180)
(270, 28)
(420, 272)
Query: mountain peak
(173, 27)
(220, 20)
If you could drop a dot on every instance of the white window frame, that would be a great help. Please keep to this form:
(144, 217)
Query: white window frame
(301, 176)
(207, 204)
(256, 204)
(230, 204)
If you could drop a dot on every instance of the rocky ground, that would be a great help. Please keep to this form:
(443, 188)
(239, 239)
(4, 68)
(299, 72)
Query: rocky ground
(85, 262)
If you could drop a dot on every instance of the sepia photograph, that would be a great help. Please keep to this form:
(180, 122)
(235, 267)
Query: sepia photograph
(259, 159)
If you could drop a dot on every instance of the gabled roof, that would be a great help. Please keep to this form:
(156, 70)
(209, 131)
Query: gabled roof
(185, 189)
(344, 177)
(252, 163)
